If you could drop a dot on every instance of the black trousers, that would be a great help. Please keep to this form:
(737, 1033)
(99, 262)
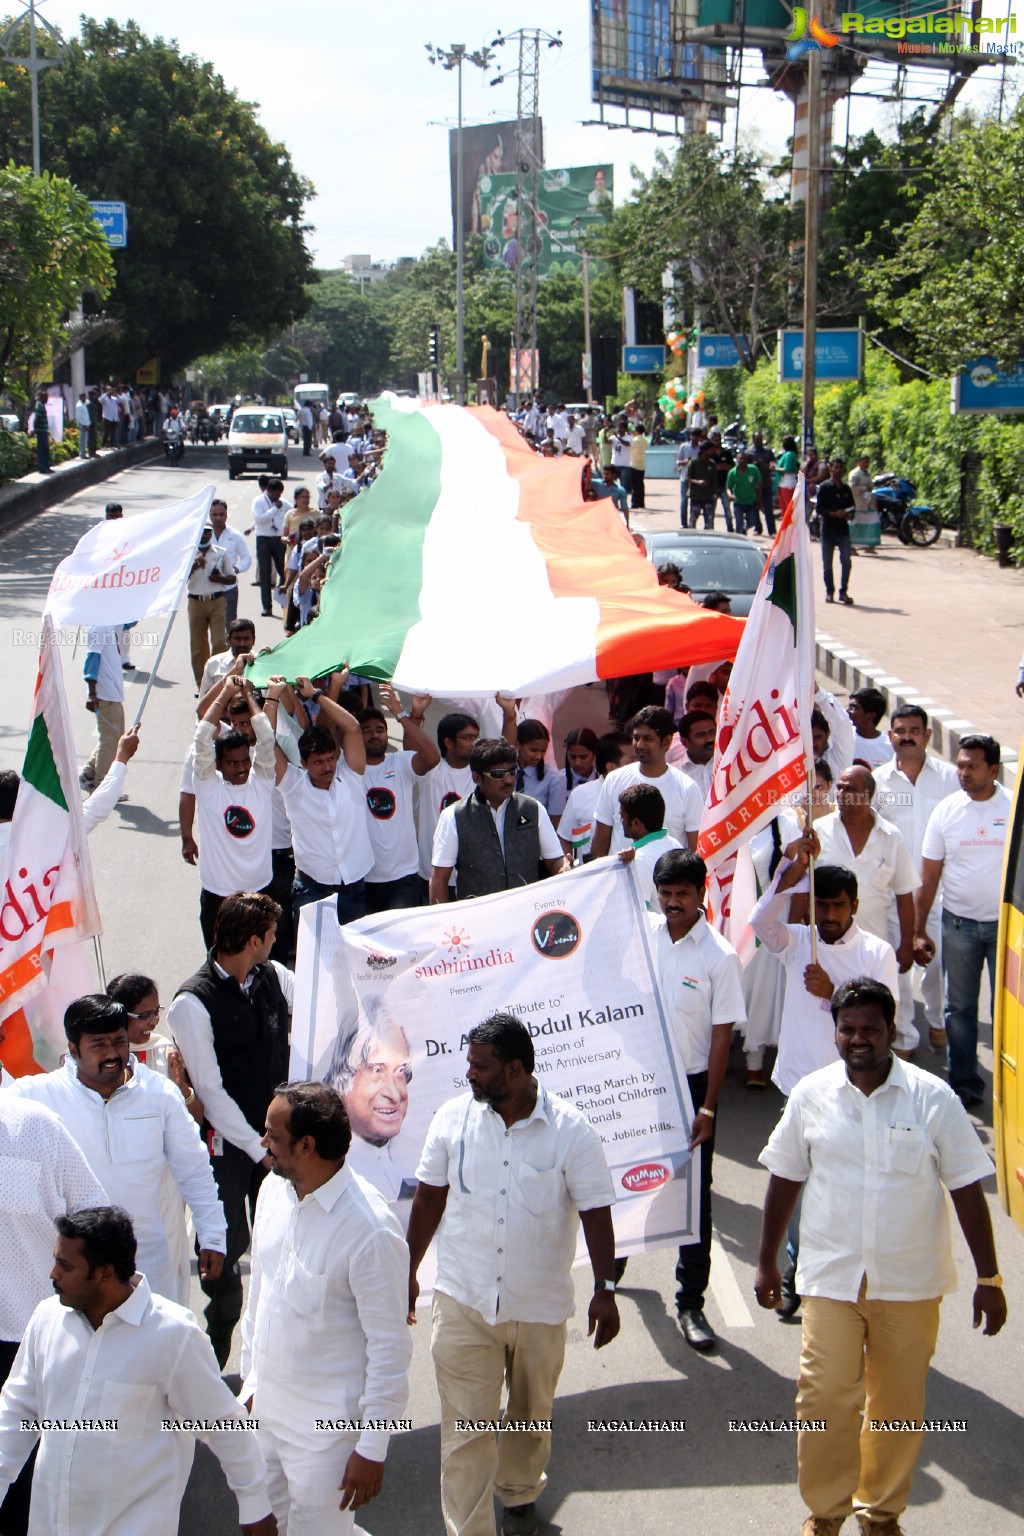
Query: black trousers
(637, 478)
(280, 890)
(269, 552)
(694, 1267)
(238, 1181)
(14, 1508)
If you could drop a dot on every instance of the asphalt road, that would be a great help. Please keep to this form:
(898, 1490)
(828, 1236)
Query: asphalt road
(705, 1478)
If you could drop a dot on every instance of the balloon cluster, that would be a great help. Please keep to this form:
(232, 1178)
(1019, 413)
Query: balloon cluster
(676, 342)
(676, 405)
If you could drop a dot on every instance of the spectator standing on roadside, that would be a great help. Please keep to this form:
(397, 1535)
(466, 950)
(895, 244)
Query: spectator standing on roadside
(268, 515)
(702, 486)
(41, 428)
(761, 455)
(743, 483)
(306, 425)
(835, 509)
(637, 464)
(234, 545)
(723, 461)
(866, 528)
(689, 448)
(83, 420)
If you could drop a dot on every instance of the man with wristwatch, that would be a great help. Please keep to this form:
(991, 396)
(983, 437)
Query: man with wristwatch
(508, 1172)
(700, 980)
(874, 1143)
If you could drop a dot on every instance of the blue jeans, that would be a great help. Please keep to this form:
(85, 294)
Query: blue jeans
(706, 507)
(967, 947)
(830, 542)
(351, 898)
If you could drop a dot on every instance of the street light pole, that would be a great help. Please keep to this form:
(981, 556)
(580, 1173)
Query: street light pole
(454, 57)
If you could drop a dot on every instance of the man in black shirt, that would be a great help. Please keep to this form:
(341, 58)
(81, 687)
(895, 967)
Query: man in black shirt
(835, 509)
(723, 461)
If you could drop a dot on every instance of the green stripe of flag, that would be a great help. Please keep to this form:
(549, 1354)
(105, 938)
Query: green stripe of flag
(39, 769)
(371, 598)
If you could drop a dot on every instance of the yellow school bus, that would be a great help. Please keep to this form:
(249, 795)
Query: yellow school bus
(1008, 1022)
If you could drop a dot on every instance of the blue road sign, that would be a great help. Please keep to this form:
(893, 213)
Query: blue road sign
(981, 386)
(715, 351)
(837, 356)
(113, 220)
(643, 359)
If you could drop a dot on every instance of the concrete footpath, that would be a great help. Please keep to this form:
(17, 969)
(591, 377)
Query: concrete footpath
(941, 627)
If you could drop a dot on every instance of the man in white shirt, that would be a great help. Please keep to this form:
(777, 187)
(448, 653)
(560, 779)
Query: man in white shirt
(642, 813)
(652, 730)
(132, 1125)
(575, 440)
(326, 805)
(866, 707)
(700, 981)
(831, 732)
(324, 1335)
(508, 1172)
(104, 677)
(873, 1143)
(241, 638)
(697, 730)
(111, 412)
(231, 1024)
(231, 541)
(211, 575)
(234, 803)
(306, 425)
(494, 839)
(105, 1348)
(858, 838)
(689, 449)
(390, 779)
(330, 480)
(907, 790)
(83, 421)
(268, 515)
(446, 784)
(43, 1175)
(963, 849)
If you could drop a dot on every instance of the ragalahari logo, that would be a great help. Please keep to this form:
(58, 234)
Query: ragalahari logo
(800, 42)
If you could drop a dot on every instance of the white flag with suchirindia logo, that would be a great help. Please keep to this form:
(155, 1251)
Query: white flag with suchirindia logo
(764, 728)
(130, 568)
(48, 896)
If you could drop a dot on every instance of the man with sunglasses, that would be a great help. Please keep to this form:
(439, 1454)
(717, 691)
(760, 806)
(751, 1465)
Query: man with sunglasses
(494, 839)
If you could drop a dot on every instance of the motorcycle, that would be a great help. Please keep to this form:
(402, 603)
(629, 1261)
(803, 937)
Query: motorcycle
(912, 523)
(174, 448)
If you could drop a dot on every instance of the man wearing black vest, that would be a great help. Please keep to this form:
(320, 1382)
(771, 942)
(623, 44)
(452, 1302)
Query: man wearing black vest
(230, 1021)
(494, 839)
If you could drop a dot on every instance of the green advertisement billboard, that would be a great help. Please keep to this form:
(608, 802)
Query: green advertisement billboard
(569, 203)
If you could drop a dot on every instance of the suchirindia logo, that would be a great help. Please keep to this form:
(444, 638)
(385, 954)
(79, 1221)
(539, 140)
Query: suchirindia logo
(932, 32)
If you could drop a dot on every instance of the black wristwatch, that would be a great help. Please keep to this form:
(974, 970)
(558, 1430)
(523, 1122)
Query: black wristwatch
(317, 693)
(604, 1285)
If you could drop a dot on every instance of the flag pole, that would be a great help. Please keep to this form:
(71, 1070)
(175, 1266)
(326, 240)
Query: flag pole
(811, 912)
(167, 632)
(98, 952)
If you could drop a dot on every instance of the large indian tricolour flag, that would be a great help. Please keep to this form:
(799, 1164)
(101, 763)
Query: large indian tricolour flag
(49, 909)
(763, 748)
(473, 564)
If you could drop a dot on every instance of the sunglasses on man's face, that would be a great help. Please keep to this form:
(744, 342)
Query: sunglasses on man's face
(500, 773)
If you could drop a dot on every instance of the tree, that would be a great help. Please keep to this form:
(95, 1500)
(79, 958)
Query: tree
(954, 281)
(712, 221)
(52, 248)
(216, 254)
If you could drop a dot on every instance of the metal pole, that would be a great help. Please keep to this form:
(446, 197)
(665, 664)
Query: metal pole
(460, 241)
(34, 72)
(154, 669)
(586, 327)
(811, 209)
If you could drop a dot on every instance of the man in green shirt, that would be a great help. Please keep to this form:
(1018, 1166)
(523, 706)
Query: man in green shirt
(743, 483)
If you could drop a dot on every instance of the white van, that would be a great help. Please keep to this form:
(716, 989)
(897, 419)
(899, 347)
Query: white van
(258, 436)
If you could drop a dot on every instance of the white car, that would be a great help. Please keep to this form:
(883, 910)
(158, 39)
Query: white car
(258, 436)
(291, 422)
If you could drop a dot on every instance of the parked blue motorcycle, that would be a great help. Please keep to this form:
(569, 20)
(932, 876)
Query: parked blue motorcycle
(894, 502)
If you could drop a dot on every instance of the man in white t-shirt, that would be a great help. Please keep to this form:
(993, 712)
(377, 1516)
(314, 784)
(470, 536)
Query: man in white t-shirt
(233, 805)
(866, 707)
(907, 790)
(652, 730)
(389, 780)
(576, 440)
(446, 784)
(963, 848)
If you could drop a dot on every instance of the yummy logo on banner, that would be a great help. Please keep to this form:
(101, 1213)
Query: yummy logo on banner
(383, 1007)
(130, 568)
(764, 728)
(48, 899)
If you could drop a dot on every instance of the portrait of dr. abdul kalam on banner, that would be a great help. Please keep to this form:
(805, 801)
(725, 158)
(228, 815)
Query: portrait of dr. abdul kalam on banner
(371, 1068)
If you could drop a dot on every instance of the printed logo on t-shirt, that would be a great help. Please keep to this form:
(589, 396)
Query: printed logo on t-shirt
(381, 802)
(451, 798)
(239, 821)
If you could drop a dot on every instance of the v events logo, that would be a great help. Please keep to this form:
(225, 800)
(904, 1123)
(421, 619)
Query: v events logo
(799, 41)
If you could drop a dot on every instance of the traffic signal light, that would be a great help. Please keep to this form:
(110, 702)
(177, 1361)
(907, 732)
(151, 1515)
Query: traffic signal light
(435, 346)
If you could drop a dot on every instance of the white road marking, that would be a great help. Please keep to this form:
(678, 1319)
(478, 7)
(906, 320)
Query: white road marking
(726, 1291)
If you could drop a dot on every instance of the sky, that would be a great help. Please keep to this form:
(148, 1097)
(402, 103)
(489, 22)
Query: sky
(350, 91)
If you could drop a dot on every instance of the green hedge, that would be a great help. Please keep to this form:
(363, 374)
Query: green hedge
(18, 452)
(907, 428)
